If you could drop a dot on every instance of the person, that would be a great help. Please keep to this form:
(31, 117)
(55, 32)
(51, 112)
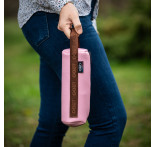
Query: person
(46, 26)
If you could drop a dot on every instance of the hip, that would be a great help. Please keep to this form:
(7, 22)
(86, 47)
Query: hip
(43, 25)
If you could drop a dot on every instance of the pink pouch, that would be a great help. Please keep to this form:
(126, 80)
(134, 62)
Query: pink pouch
(75, 84)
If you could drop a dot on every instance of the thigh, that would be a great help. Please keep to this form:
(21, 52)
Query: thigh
(106, 102)
(50, 92)
(42, 34)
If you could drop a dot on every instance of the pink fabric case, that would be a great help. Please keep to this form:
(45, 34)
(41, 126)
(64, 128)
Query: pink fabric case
(84, 86)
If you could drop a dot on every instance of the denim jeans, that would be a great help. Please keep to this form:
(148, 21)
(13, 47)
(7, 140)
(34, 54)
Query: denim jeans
(107, 116)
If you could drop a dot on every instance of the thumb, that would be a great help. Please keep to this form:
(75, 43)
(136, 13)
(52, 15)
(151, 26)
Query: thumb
(77, 25)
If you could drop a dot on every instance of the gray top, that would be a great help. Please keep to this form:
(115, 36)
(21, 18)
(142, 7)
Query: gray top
(28, 7)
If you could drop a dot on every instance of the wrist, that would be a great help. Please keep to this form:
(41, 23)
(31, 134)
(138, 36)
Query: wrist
(65, 2)
(69, 4)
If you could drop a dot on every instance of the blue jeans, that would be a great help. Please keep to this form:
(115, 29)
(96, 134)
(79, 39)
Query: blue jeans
(107, 116)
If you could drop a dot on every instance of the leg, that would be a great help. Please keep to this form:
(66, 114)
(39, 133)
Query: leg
(107, 117)
(47, 41)
(50, 131)
(41, 32)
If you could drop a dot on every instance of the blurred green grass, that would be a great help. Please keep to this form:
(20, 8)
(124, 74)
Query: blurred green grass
(22, 96)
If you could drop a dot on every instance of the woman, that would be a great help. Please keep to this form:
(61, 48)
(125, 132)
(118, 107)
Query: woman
(46, 26)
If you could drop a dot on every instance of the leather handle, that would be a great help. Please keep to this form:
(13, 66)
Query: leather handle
(74, 44)
(74, 35)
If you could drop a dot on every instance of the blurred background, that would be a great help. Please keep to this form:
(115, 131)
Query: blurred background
(125, 30)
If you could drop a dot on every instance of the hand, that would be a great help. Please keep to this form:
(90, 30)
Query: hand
(68, 16)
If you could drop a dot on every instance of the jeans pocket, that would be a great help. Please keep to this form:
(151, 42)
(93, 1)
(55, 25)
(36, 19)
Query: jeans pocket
(36, 29)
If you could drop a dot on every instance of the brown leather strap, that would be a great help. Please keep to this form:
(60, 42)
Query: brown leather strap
(74, 43)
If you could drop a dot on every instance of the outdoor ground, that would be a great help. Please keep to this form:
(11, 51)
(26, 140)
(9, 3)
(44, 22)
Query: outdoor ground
(22, 96)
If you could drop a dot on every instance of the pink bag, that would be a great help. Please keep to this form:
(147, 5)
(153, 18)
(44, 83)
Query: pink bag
(75, 84)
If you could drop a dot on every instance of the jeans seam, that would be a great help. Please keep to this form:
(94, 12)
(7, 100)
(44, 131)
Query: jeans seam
(46, 38)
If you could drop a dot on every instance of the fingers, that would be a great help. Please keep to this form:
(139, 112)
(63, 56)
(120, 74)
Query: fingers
(77, 25)
(66, 29)
(65, 23)
(67, 32)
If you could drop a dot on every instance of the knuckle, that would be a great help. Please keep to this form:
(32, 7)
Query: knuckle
(61, 26)
(78, 25)
(58, 27)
